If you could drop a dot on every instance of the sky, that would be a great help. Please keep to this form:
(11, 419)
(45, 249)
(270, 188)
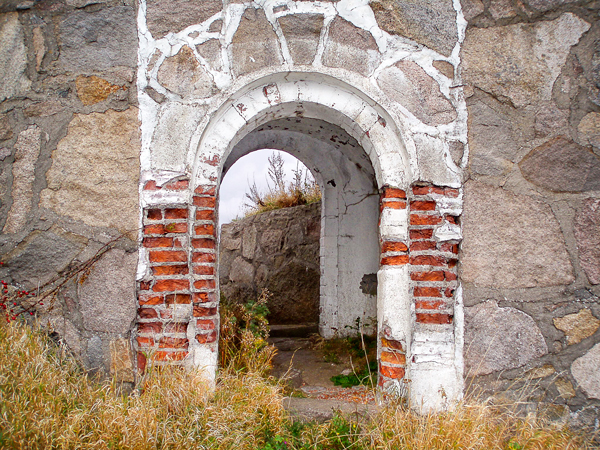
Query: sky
(246, 170)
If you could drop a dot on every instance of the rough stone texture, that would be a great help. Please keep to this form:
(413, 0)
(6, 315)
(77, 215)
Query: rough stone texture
(121, 365)
(587, 233)
(578, 326)
(499, 339)
(471, 8)
(302, 33)
(547, 5)
(5, 129)
(586, 371)
(13, 58)
(211, 52)
(27, 150)
(550, 120)
(165, 16)
(107, 296)
(351, 48)
(95, 171)
(511, 241)
(492, 145)
(183, 75)
(525, 67)
(589, 130)
(255, 44)
(277, 250)
(408, 84)
(429, 22)
(40, 257)
(91, 90)
(92, 41)
(561, 165)
(565, 388)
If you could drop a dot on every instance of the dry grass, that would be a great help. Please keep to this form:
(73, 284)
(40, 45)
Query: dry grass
(47, 402)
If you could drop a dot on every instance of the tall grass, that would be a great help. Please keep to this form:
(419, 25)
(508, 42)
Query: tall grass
(48, 402)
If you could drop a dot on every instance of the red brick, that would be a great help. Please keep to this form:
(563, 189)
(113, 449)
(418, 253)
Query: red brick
(204, 202)
(430, 304)
(204, 270)
(426, 233)
(170, 270)
(438, 319)
(203, 243)
(145, 342)
(449, 292)
(166, 313)
(392, 372)
(204, 297)
(151, 186)
(395, 345)
(420, 205)
(198, 257)
(150, 327)
(426, 291)
(427, 276)
(150, 299)
(154, 242)
(180, 299)
(204, 230)
(452, 263)
(420, 219)
(205, 324)
(448, 247)
(391, 246)
(213, 160)
(167, 256)
(177, 185)
(451, 192)
(169, 356)
(205, 214)
(176, 213)
(396, 260)
(180, 227)
(207, 338)
(147, 313)
(176, 327)
(451, 219)
(155, 214)
(172, 342)
(141, 362)
(393, 358)
(389, 192)
(204, 284)
(393, 204)
(425, 190)
(201, 311)
(170, 285)
(144, 285)
(205, 190)
(450, 276)
(422, 245)
(426, 260)
(158, 228)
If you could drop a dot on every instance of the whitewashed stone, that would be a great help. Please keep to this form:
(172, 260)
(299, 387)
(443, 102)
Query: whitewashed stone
(183, 75)
(107, 296)
(499, 339)
(511, 241)
(13, 58)
(524, 68)
(586, 371)
(408, 84)
(95, 171)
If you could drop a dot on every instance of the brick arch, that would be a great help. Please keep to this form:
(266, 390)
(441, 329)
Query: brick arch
(417, 236)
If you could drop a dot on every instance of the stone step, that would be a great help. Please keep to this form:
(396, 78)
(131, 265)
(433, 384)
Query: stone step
(300, 330)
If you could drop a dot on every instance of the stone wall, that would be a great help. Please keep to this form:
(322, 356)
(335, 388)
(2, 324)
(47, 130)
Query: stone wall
(277, 250)
(530, 258)
(475, 119)
(69, 167)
